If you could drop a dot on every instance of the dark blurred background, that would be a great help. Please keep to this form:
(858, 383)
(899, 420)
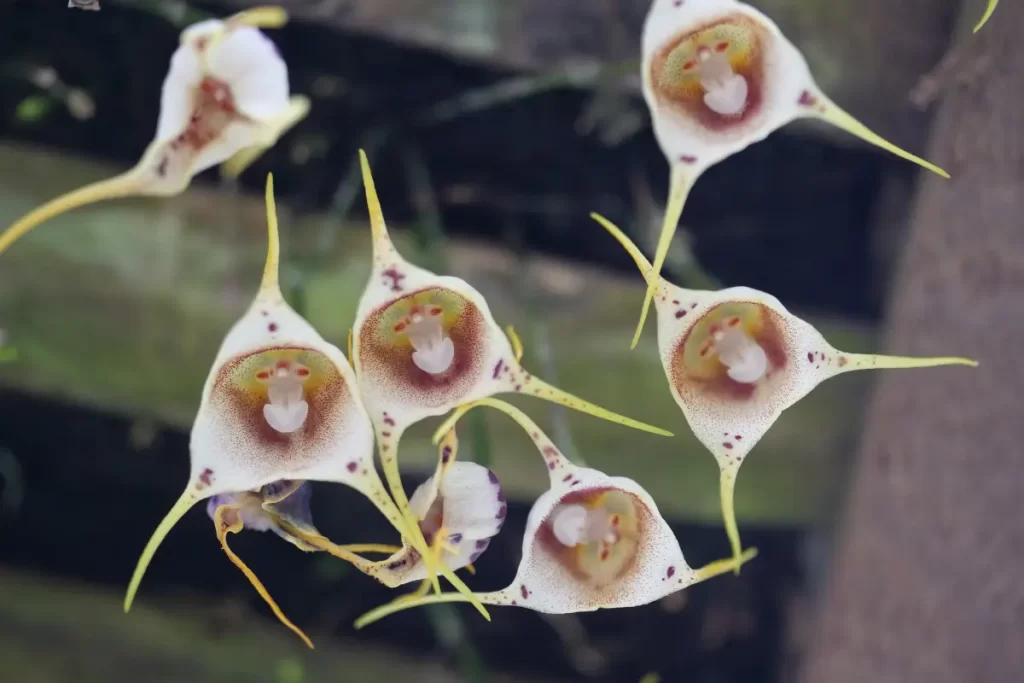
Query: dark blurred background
(493, 128)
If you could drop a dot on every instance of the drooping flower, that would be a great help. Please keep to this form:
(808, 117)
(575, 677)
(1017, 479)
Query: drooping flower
(718, 75)
(736, 358)
(225, 99)
(424, 344)
(264, 510)
(592, 541)
(279, 404)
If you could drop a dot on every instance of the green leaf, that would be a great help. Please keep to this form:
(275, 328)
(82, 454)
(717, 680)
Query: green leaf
(33, 108)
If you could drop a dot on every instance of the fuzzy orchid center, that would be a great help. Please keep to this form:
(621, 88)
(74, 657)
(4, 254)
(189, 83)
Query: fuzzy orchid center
(575, 525)
(725, 91)
(744, 358)
(434, 350)
(213, 108)
(285, 409)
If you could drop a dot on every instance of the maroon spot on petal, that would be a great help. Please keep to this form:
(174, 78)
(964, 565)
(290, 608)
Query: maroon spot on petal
(550, 452)
(264, 313)
(551, 464)
(727, 445)
(396, 564)
(575, 482)
(272, 327)
(680, 313)
(810, 356)
(385, 434)
(671, 572)
(388, 421)
(497, 369)
(351, 467)
(693, 305)
(524, 591)
(396, 279)
(677, 3)
(738, 437)
(688, 159)
(675, 301)
(206, 477)
(567, 477)
(519, 387)
(446, 454)
(807, 99)
(842, 361)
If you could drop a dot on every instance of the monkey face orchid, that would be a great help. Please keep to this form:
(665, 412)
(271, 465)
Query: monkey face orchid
(718, 76)
(424, 344)
(592, 541)
(225, 99)
(280, 403)
(736, 358)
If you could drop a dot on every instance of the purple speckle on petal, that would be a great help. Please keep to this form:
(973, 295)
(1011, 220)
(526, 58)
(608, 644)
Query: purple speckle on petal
(482, 544)
(502, 511)
(492, 476)
(455, 538)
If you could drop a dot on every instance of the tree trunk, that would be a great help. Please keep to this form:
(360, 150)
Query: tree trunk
(927, 582)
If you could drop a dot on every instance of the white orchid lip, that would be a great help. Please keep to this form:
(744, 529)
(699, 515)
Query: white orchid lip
(427, 345)
(728, 350)
(713, 74)
(285, 409)
(280, 393)
(594, 534)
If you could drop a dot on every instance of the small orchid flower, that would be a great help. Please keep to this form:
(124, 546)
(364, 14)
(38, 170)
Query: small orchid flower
(225, 99)
(736, 358)
(279, 404)
(458, 510)
(592, 542)
(718, 75)
(264, 510)
(988, 14)
(426, 343)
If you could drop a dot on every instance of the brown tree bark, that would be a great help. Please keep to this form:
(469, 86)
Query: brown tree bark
(928, 581)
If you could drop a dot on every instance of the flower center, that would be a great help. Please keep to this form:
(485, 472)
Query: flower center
(285, 409)
(576, 525)
(745, 359)
(213, 109)
(434, 350)
(725, 91)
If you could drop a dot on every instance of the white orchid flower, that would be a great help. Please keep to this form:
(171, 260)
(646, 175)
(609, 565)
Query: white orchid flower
(225, 99)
